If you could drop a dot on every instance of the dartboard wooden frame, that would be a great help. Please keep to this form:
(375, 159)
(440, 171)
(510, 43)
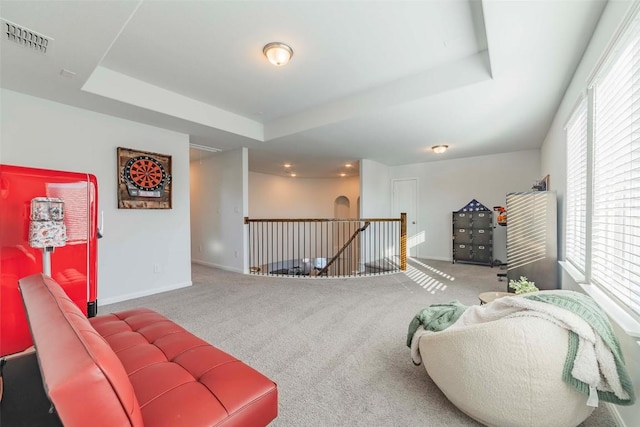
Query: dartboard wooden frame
(144, 179)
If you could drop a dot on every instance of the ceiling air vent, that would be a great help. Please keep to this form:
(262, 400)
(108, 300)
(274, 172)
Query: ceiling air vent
(25, 37)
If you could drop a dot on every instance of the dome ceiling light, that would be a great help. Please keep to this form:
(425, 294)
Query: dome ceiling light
(277, 53)
(439, 149)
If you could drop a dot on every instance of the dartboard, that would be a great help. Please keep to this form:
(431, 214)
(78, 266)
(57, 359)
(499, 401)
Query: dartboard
(145, 173)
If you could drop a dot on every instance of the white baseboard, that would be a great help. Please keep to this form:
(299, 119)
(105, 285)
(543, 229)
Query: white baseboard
(613, 410)
(436, 258)
(145, 293)
(214, 265)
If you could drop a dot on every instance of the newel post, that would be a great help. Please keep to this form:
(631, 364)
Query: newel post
(403, 241)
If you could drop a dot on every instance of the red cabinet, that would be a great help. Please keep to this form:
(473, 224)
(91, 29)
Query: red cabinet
(74, 265)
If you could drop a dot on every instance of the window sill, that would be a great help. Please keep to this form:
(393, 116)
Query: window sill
(572, 271)
(624, 320)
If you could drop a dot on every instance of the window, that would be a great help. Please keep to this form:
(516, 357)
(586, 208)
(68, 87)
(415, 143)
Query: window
(576, 218)
(615, 262)
(603, 237)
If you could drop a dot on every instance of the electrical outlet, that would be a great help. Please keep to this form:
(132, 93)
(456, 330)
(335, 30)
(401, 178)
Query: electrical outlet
(156, 268)
(237, 254)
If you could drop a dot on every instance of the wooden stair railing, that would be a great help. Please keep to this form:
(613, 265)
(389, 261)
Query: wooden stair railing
(347, 243)
(302, 246)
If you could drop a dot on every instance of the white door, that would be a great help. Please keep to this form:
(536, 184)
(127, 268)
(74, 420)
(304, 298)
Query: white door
(405, 199)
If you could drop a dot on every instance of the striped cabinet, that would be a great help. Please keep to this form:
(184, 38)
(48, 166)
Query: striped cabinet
(532, 244)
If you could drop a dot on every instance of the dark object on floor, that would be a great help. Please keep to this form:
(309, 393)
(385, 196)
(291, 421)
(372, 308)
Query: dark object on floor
(24, 403)
(2, 363)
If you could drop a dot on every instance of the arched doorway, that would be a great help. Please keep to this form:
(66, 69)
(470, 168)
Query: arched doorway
(342, 231)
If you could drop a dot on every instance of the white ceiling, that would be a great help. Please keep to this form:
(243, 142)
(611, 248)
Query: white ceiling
(381, 80)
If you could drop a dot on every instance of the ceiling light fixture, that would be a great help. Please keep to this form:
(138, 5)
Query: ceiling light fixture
(343, 174)
(439, 149)
(287, 165)
(293, 175)
(277, 53)
(348, 165)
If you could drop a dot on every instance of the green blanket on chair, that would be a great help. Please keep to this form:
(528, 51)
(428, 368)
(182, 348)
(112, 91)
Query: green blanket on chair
(435, 318)
(585, 307)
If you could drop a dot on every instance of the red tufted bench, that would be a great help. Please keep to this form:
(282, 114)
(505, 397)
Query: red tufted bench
(137, 368)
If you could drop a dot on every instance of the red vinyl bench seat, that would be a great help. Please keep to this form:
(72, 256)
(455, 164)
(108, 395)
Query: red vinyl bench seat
(137, 368)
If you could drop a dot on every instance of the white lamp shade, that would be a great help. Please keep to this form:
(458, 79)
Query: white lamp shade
(47, 234)
(46, 229)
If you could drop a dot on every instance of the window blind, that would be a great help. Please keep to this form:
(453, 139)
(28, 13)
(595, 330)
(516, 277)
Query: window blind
(615, 263)
(576, 196)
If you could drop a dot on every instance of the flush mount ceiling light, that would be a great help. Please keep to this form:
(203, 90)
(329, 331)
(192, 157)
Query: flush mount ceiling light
(439, 149)
(277, 53)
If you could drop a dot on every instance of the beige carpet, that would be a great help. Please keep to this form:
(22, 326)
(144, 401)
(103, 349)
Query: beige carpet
(336, 347)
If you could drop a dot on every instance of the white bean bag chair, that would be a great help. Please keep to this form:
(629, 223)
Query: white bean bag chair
(506, 372)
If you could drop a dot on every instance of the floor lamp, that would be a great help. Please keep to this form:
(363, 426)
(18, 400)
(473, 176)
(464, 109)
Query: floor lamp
(46, 229)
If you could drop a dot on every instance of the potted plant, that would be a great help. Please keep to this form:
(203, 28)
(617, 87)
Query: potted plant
(523, 286)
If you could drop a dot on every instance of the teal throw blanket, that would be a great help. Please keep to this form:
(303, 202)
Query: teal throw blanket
(436, 317)
(585, 307)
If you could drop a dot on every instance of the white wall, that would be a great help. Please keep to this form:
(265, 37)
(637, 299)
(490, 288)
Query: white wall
(375, 190)
(272, 196)
(553, 161)
(218, 208)
(40, 133)
(448, 185)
